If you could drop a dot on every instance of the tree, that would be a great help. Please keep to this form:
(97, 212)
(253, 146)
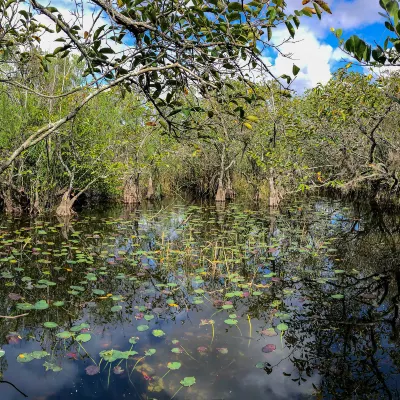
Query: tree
(166, 49)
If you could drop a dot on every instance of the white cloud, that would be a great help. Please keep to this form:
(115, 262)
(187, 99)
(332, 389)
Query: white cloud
(313, 57)
(346, 14)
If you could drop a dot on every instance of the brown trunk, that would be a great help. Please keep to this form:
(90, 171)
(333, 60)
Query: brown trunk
(230, 194)
(257, 195)
(274, 196)
(65, 207)
(150, 190)
(66, 227)
(132, 193)
(10, 205)
(221, 194)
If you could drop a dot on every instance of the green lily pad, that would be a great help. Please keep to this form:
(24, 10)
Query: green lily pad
(2, 352)
(282, 327)
(52, 367)
(150, 352)
(64, 335)
(116, 308)
(25, 306)
(83, 337)
(158, 333)
(50, 325)
(142, 328)
(231, 321)
(41, 305)
(24, 358)
(174, 365)
(188, 381)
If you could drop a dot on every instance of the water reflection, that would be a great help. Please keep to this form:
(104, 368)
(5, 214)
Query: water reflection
(298, 304)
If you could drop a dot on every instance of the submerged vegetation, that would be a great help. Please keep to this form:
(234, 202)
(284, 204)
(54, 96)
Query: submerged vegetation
(169, 299)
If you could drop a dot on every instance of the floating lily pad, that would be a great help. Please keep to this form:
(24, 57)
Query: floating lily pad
(50, 325)
(41, 305)
(174, 365)
(188, 381)
(150, 352)
(282, 327)
(269, 348)
(158, 333)
(83, 337)
(142, 328)
(116, 308)
(92, 370)
(64, 335)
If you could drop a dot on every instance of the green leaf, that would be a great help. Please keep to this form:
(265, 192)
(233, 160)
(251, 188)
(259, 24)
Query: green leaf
(282, 327)
(41, 305)
(64, 335)
(83, 337)
(116, 308)
(50, 325)
(296, 70)
(290, 28)
(158, 333)
(150, 352)
(172, 365)
(188, 381)
(142, 328)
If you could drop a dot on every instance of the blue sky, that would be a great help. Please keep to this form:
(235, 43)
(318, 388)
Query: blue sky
(316, 49)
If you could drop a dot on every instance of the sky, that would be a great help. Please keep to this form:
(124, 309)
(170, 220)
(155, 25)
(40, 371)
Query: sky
(315, 48)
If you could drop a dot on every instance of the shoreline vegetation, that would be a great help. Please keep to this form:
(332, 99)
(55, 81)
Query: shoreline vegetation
(142, 101)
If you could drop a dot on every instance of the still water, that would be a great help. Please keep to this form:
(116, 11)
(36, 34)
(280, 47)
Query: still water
(201, 302)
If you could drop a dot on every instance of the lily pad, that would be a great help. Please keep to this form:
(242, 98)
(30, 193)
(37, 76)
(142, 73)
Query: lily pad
(188, 381)
(158, 333)
(269, 348)
(142, 328)
(83, 337)
(64, 335)
(174, 365)
(41, 305)
(50, 325)
(282, 327)
(92, 370)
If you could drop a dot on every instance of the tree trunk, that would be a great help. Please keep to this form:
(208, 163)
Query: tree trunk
(274, 196)
(150, 190)
(132, 193)
(65, 207)
(230, 194)
(221, 193)
(257, 195)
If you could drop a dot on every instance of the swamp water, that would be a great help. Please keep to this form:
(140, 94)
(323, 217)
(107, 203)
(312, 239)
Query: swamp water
(195, 302)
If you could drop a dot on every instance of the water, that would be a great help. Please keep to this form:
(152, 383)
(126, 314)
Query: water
(301, 304)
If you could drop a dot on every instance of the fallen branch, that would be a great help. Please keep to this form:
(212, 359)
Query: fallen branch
(13, 317)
